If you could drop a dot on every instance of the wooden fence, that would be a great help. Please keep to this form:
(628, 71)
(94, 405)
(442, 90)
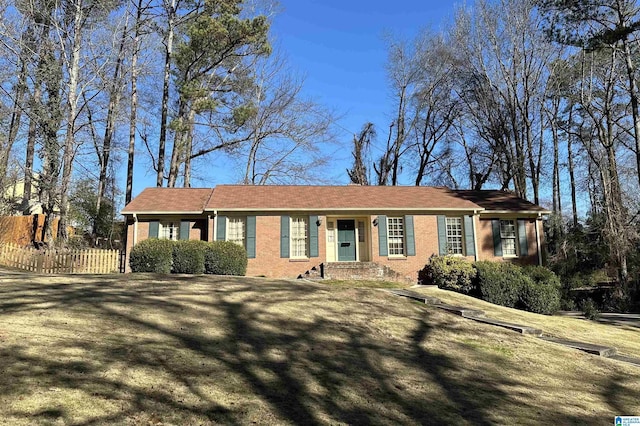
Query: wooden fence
(22, 230)
(90, 261)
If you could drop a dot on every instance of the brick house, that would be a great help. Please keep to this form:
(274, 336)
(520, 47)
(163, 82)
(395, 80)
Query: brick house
(343, 231)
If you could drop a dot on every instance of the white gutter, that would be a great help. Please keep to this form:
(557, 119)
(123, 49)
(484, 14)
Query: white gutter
(346, 209)
(538, 241)
(475, 234)
(161, 212)
(516, 212)
(135, 229)
(215, 224)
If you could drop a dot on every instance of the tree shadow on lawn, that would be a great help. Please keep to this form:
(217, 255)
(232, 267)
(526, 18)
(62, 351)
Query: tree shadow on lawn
(239, 350)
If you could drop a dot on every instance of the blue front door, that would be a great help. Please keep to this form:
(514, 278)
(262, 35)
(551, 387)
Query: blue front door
(346, 240)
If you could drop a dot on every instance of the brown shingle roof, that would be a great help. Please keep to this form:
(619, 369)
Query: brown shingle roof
(323, 198)
(241, 197)
(495, 200)
(169, 200)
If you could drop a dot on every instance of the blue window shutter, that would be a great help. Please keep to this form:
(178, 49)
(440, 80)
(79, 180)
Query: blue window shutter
(313, 236)
(284, 236)
(522, 237)
(185, 226)
(442, 235)
(221, 231)
(409, 236)
(382, 236)
(469, 236)
(497, 241)
(154, 229)
(251, 237)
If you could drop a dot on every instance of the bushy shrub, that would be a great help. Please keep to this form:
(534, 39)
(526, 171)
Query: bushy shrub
(225, 258)
(590, 309)
(449, 272)
(152, 255)
(188, 257)
(500, 282)
(540, 298)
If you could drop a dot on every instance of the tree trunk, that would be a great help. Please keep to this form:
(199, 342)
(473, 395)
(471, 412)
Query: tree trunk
(134, 103)
(72, 105)
(164, 115)
(114, 102)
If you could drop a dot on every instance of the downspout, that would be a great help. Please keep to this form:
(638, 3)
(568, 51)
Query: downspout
(135, 229)
(475, 235)
(538, 241)
(215, 224)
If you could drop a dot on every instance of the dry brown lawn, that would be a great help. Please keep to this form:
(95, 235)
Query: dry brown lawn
(625, 338)
(145, 349)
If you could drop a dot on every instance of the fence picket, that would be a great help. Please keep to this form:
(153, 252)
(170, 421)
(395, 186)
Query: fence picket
(91, 261)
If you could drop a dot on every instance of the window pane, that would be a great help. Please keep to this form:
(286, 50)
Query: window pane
(168, 230)
(298, 237)
(395, 235)
(454, 235)
(236, 230)
(508, 235)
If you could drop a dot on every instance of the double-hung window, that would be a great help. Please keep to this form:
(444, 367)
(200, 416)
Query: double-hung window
(169, 230)
(508, 236)
(454, 235)
(236, 230)
(395, 236)
(299, 237)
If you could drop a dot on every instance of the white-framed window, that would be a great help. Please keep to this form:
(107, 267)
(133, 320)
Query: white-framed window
(169, 230)
(454, 236)
(395, 236)
(236, 230)
(299, 237)
(508, 236)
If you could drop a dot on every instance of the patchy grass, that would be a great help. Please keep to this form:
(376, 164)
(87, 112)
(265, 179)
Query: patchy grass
(626, 338)
(147, 349)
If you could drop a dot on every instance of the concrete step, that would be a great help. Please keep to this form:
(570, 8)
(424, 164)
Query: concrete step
(416, 296)
(604, 351)
(462, 311)
(522, 329)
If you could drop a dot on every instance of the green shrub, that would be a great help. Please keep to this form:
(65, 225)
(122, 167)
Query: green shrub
(590, 309)
(542, 294)
(449, 272)
(500, 282)
(152, 255)
(188, 257)
(225, 258)
(540, 297)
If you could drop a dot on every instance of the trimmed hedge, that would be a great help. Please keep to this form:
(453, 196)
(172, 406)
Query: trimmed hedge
(542, 295)
(501, 282)
(451, 273)
(225, 258)
(152, 255)
(188, 257)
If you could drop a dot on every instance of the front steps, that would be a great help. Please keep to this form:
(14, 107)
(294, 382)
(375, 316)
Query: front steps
(348, 271)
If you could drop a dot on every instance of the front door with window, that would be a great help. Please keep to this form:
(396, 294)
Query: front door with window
(346, 240)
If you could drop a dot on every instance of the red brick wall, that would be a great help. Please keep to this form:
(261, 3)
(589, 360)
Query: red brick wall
(268, 261)
(485, 243)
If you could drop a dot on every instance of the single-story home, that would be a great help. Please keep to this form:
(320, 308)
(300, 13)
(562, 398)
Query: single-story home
(343, 231)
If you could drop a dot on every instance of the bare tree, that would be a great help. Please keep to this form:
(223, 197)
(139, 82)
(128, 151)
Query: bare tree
(361, 147)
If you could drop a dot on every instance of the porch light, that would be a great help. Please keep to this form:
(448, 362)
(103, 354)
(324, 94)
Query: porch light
(318, 222)
(375, 222)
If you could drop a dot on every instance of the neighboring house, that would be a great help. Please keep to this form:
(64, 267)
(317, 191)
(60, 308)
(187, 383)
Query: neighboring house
(343, 231)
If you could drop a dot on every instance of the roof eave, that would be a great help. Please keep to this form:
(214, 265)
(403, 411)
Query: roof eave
(124, 213)
(536, 212)
(343, 209)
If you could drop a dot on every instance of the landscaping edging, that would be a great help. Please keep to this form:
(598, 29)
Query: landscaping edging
(479, 316)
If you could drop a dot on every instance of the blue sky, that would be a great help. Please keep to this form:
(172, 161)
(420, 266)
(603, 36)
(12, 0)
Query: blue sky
(339, 47)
